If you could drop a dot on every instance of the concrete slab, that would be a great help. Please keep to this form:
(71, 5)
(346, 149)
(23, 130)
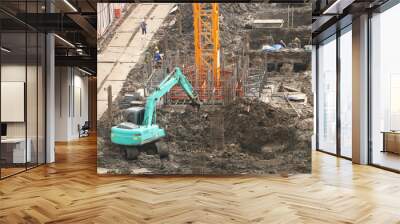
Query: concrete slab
(141, 11)
(103, 69)
(121, 71)
(110, 54)
(129, 25)
(101, 108)
(116, 88)
(141, 41)
(131, 56)
(120, 39)
(153, 25)
(161, 11)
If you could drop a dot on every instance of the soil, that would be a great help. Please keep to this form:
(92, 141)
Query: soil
(244, 137)
(258, 139)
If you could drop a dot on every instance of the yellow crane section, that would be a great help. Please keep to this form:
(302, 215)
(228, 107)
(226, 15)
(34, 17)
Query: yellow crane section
(206, 42)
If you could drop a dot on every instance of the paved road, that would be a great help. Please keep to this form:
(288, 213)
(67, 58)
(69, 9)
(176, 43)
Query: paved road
(126, 49)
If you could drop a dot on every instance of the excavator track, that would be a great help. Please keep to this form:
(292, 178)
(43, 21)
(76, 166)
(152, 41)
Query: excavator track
(131, 153)
(153, 148)
(162, 149)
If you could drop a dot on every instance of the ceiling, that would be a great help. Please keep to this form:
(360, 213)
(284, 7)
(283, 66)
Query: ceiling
(74, 22)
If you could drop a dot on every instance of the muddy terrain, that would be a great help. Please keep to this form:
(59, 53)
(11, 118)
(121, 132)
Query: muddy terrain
(257, 138)
(255, 133)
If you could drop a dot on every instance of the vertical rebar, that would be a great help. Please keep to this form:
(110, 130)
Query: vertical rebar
(217, 130)
(109, 99)
(177, 58)
(288, 16)
(208, 85)
(222, 62)
(245, 71)
(165, 44)
(179, 22)
(149, 64)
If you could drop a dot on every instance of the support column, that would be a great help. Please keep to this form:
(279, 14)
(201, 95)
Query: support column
(314, 91)
(360, 90)
(50, 99)
(92, 103)
(50, 92)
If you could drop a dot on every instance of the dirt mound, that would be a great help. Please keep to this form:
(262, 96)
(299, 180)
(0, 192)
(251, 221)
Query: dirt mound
(187, 128)
(257, 139)
(250, 123)
(256, 133)
(253, 124)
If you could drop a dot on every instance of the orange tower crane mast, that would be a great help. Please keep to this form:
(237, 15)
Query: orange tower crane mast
(206, 42)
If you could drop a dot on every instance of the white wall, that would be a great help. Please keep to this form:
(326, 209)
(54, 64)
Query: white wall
(80, 94)
(12, 73)
(33, 126)
(61, 103)
(71, 94)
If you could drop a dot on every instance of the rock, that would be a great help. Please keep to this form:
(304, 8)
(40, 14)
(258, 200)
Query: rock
(140, 171)
(306, 124)
(102, 170)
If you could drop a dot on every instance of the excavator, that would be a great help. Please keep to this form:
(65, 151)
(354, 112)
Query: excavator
(140, 132)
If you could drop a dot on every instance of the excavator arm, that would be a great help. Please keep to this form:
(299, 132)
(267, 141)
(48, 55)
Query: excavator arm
(174, 78)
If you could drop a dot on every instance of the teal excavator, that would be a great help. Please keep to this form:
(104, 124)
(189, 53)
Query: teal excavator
(140, 132)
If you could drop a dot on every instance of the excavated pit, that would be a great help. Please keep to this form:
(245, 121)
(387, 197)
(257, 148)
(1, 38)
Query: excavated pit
(258, 138)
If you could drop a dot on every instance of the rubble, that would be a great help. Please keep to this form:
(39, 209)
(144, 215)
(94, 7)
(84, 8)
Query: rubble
(266, 134)
(259, 138)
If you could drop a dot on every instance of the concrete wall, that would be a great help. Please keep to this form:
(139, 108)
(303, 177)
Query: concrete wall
(71, 102)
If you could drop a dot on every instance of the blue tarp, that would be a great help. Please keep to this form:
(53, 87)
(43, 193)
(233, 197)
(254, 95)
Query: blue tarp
(273, 48)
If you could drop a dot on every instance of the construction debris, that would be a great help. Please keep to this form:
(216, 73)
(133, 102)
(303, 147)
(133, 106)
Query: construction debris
(263, 127)
(254, 142)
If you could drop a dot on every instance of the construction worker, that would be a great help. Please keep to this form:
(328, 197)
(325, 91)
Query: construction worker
(296, 43)
(282, 43)
(143, 25)
(157, 57)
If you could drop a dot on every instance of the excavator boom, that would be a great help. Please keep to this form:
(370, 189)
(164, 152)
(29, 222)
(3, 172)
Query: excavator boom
(174, 78)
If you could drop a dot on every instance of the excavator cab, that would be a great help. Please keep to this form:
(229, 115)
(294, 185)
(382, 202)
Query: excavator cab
(135, 115)
(134, 118)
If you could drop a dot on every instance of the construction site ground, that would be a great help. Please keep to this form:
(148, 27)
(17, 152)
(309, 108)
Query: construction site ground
(266, 130)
